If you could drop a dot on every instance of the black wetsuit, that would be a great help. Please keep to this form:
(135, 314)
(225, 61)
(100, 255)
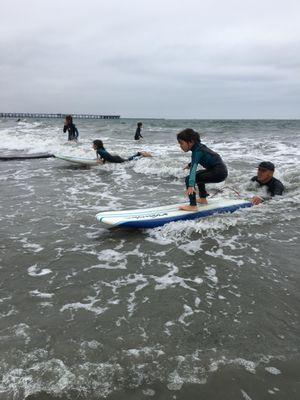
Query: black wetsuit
(106, 156)
(274, 187)
(72, 131)
(215, 170)
(138, 135)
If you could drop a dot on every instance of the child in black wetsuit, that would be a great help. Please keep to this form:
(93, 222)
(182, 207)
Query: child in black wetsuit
(71, 128)
(138, 134)
(104, 155)
(214, 168)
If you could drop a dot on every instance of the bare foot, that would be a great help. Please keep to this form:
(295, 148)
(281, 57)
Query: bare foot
(145, 154)
(188, 208)
(202, 201)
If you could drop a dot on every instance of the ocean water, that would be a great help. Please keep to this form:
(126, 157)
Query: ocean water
(204, 309)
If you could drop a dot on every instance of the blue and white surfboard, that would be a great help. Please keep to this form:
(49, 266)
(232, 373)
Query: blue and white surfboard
(158, 216)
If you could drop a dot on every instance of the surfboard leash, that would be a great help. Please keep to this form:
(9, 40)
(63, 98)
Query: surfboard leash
(226, 187)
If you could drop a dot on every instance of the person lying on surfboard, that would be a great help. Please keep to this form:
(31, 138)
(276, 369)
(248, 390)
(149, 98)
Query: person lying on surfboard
(214, 168)
(103, 155)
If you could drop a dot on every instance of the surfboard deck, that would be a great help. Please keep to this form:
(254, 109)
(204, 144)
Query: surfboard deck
(158, 216)
(8, 157)
(77, 160)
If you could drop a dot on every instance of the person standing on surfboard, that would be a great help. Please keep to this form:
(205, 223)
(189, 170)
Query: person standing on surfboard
(71, 128)
(104, 155)
(214, 168)
(138, 134)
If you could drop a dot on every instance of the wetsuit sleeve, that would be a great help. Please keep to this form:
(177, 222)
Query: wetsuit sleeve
(65, 128)
(105, 156)
(76, 132)
(277, 189)
(134, 157)
(193, 168)
(102, 154)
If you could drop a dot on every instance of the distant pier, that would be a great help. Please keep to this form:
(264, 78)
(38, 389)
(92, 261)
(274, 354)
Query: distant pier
(43, 115)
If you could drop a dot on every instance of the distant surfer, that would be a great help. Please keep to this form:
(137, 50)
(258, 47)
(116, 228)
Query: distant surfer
(265, 178)
(104, 156)
(214, 168)
(71, 128)
(138, 131)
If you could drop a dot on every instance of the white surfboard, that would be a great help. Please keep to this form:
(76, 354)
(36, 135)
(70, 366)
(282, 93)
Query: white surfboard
(77, 160)
(158, 216)
(21, 156)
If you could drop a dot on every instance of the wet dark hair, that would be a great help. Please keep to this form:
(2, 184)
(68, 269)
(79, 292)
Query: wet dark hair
(267, 165)
(69, 118)
(139, 124)
(99, 144)
(188, 135)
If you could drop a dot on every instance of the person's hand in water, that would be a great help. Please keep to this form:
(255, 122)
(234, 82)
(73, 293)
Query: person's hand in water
(146, 154)
(256, 200)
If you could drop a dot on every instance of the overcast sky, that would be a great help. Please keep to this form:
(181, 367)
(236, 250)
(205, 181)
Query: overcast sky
(150, 58)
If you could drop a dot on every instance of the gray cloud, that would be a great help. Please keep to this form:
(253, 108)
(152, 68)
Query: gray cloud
(191, 59)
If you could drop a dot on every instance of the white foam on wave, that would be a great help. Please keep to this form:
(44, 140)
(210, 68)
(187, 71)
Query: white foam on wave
(36, 271)
(35, 247)
(171, 279)
(28, 140)
(159, 167)
(36, 372)
(84, 306)
(37, 293)
(192, 247)
(39, 137)
(245, 395)
(273, 370)
(110, 259)
(181, 231)
(188, 311)
(90, 306)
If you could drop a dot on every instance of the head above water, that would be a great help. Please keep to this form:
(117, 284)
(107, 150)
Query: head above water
(188, 135)
(265, 171)
(98, 144)
(187, 138)
(69, 119)
(267, 165)
(139, 124)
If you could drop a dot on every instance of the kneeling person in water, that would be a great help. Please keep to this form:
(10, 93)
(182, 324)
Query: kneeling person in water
(215, 170)
(104, 155)
(265, 178)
